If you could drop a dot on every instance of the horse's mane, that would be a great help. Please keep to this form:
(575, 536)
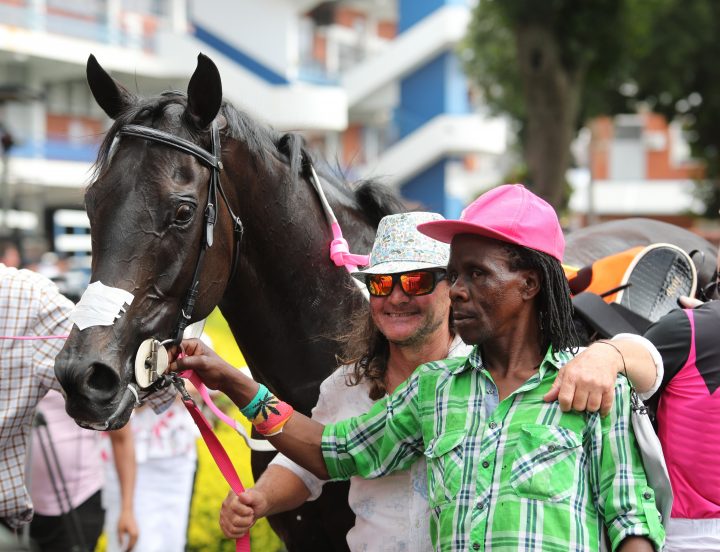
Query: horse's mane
(373, 198)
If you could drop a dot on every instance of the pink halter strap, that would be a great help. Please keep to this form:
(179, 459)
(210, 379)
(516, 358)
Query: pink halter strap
(340, 251)
(213, 443)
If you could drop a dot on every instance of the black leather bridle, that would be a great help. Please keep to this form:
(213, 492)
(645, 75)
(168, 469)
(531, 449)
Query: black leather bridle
(212, 160)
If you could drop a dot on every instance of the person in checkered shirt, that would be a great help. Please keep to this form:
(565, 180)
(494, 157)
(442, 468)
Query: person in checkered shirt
(508, 467)
(31, 305)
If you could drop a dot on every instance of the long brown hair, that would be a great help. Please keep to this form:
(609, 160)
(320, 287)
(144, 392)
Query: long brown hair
(367, 350)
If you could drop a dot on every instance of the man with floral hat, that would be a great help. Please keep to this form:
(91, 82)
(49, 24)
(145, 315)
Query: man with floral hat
(506, 468)
(407, 325)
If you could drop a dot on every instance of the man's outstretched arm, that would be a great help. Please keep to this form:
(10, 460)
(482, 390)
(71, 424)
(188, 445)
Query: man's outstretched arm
(587, 382)
(300, 438)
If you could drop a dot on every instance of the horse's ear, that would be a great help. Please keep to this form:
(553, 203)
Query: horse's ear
(204, 93)
(108, 93)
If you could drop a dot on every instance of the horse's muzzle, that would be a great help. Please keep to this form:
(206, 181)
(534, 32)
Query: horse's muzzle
(95, 396)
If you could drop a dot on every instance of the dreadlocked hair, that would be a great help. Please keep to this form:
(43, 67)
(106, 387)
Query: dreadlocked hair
(367, 350)
(555, 309)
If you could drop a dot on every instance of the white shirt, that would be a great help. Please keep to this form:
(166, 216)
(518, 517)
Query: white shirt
(391, 513)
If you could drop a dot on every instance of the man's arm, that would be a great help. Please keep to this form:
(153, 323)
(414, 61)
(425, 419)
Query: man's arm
(626, 503)
(284, 485)
(50, 319)
(300, 438)
(636, 544)
(277, 490)
(370, 445)
(588, 381)
(123, 449)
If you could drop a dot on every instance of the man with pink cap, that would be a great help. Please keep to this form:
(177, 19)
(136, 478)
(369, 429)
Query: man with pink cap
(507, 470)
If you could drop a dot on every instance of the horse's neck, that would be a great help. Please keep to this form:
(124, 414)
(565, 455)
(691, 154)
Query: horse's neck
(288, 300)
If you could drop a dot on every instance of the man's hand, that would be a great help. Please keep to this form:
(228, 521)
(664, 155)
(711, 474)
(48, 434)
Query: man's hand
(689, 302)
(127, 530)
(202, 360)
(240, 512)
(587, 382)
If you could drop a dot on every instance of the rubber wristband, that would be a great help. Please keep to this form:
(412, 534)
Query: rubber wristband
(250, 410)
(273, 415)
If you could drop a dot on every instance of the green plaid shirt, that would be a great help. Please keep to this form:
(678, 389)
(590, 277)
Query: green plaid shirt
(521, 476)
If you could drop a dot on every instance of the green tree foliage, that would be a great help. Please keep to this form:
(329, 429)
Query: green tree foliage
(550, 64)
(678, 75)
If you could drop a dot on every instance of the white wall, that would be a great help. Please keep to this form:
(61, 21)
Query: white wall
(267, 30)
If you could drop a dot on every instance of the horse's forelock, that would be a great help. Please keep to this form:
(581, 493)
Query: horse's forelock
(145, 112)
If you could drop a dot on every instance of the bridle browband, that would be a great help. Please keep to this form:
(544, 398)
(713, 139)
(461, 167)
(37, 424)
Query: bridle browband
(212, 160)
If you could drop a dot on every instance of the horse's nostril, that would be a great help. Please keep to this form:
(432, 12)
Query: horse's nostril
(103, 380)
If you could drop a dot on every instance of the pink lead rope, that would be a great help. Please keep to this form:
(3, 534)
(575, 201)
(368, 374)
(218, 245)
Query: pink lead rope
(212, 442)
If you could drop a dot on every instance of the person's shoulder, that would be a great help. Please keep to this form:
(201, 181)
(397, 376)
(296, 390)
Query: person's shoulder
(673, 324)
(710, 308)
(24, 279)
(343, 380)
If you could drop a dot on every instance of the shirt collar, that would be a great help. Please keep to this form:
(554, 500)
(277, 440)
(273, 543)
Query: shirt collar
(474, 361)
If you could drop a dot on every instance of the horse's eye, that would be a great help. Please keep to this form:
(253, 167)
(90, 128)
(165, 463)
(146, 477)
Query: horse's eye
(184, 213)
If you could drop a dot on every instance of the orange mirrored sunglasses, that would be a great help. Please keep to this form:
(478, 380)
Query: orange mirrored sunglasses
(418, 282)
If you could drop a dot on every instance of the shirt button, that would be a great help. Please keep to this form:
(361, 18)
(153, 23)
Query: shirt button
(647, 495)
(551, 448)
(493, 425)
(476, 546)
(485, 464)
(480, 505)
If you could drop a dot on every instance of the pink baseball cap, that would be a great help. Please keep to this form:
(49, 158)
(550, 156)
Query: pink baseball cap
(509, 213)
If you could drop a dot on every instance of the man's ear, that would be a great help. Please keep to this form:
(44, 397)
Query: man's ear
(532, 284)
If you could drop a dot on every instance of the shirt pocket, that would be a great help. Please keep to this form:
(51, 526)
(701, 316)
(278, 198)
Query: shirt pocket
(445, 458)
(546, 463)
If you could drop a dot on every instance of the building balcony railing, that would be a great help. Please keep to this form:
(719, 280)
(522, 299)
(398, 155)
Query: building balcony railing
(126, 29)
(56, 150)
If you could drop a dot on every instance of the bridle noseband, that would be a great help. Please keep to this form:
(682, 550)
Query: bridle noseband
(212, 160)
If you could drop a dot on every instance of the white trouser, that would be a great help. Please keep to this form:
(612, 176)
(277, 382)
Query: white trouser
(163, 489)
(692, 535)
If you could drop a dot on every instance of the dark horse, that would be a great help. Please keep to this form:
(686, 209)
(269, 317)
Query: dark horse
(268, 270)
(284, 301)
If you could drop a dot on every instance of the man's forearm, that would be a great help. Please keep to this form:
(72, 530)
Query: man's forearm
(283, 490)
(124, 456)
(301, 436)
(300, 441)
(634, 359)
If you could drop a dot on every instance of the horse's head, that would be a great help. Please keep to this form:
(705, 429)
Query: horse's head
(149, 218)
